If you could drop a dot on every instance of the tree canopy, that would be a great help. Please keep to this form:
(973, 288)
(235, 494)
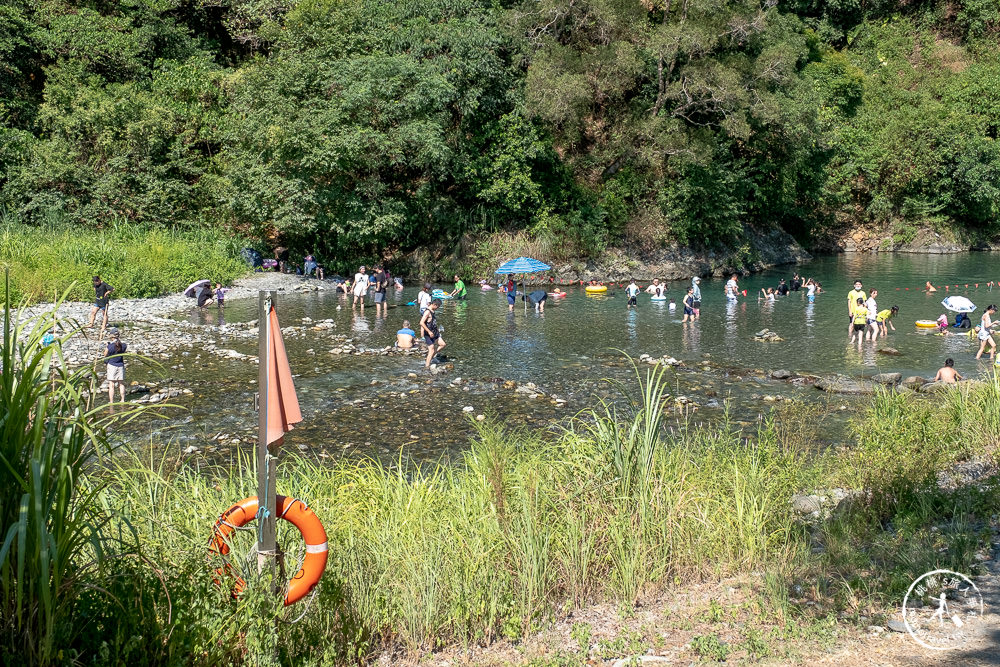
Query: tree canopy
(366, 128)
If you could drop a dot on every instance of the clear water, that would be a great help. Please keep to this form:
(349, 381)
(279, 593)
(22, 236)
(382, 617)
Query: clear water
(576, 342)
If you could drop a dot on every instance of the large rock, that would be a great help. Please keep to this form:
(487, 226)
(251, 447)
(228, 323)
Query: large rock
(932, 387)
(781, 374)
(914, 381)
(806, 504)
(842, 385)
(887, 378)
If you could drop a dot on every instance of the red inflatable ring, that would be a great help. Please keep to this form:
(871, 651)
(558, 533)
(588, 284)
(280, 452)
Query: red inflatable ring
(299, 515)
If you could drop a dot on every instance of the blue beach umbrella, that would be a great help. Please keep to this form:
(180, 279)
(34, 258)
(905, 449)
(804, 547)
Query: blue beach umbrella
(958, 304)
(523, 265)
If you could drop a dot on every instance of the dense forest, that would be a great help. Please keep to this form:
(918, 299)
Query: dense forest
(366, 127)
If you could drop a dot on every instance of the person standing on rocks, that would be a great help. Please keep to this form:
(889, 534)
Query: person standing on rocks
(102, 296)
(696, 293)
(360, 287)
(115, 365)
(852, 301)
(431, 332)
(381, 283)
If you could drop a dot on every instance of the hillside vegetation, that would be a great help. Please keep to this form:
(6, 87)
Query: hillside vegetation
(361, 128)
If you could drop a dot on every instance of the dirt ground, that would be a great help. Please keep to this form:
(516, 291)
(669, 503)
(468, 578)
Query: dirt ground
(709, 623)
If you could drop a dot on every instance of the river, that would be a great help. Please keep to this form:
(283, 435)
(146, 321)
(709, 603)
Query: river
(388, 406)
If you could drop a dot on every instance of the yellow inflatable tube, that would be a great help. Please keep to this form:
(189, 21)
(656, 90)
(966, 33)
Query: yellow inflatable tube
(597, 289)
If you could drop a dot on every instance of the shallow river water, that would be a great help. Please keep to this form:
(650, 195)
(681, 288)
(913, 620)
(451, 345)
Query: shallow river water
(372, 404)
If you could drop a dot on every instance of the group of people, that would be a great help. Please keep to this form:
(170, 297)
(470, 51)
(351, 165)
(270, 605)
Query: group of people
(865, 320)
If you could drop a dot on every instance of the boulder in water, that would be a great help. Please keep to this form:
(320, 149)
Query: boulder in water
(890, 351)
(767, 336)
(887, 378)
(781, 374)
(842, 385)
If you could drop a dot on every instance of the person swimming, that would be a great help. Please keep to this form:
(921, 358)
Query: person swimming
(930, 288)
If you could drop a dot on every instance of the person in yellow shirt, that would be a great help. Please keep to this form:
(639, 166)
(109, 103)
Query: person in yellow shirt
(884, 320)
(859, 321)
(852, 300)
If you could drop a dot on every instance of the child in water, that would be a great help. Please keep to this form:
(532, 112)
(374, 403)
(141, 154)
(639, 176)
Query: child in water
(859, 321)
(688, 306)
(884, 320)
(220, 294)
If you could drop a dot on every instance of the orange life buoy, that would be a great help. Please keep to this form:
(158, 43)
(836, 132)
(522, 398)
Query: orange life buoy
(299, 515)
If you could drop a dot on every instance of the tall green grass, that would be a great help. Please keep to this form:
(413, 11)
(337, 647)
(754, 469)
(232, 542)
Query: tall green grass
(137, 262)
(52, 538)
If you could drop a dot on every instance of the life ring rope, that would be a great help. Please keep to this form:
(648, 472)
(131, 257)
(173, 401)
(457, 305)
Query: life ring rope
(295, 512)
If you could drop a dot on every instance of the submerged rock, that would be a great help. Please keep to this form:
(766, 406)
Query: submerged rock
(891, 351)
(767, 336)
(781, 374)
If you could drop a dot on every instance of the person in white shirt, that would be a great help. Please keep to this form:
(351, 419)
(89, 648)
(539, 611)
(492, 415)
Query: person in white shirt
(360, 287)
(424, 297)
(872, 307)
(655, 288)
(632, 291)
(732, 288)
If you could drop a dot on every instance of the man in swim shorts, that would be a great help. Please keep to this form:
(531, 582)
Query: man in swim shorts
(947, 373)
(405, 336)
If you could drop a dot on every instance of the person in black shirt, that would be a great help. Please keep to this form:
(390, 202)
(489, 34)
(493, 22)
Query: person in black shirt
(796, 282)
(782, 289)
(102, 294)
(380, 281)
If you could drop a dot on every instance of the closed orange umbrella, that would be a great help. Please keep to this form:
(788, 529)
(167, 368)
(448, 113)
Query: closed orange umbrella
(282, 403)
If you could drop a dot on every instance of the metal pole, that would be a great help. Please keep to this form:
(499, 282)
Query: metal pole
(266, 458)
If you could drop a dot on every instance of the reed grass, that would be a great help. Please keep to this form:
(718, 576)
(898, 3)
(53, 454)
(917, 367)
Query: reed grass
(46, 261)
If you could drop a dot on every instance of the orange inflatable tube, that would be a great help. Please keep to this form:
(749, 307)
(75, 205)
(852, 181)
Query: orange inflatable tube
(299, 515)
